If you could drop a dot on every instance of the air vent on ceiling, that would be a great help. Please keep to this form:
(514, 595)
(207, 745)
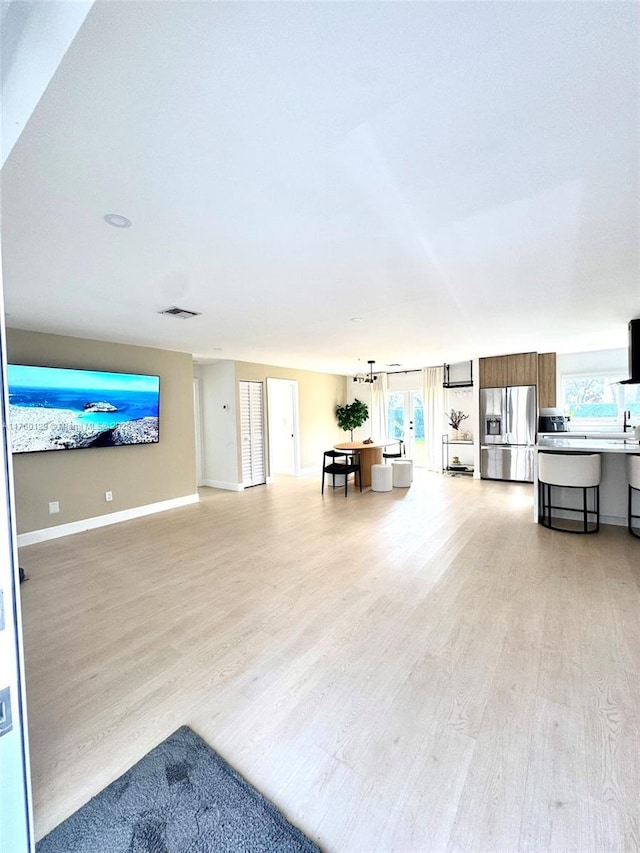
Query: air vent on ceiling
(180, 312)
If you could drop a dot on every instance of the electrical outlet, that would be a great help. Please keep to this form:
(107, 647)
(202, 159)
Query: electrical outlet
(54, 506)
(108, 496)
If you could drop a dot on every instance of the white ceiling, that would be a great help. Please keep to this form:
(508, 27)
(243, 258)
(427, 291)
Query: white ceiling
(463, 177)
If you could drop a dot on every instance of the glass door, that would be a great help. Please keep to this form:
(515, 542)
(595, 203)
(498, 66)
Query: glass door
(405, 417)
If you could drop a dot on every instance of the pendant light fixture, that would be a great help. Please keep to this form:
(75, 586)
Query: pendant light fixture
(371, 379)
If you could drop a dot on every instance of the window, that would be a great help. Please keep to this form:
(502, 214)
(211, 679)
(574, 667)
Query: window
(599, 400)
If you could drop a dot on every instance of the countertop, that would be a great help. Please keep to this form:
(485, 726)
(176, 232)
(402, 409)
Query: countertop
(603, 444)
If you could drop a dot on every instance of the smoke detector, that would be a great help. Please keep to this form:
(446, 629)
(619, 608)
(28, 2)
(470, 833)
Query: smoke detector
(182, 313)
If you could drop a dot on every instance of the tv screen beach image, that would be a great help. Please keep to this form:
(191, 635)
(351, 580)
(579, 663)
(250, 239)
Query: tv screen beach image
(64, 409)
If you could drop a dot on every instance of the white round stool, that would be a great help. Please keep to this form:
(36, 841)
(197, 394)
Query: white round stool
(410, 461)
(569, 471)
(401, 473)
(381, 478)
(633, 478)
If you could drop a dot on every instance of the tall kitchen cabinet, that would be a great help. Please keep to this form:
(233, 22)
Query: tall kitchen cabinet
(506, 370)
(547, 380)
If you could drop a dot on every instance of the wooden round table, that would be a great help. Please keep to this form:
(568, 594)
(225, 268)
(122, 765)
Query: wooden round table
(370, 454)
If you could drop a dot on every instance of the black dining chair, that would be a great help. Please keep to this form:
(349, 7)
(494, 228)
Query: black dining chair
(394, 454)
(337, 462)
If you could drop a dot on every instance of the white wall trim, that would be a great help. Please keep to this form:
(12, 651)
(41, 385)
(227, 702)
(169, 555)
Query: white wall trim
(221, 484)
(103, 520)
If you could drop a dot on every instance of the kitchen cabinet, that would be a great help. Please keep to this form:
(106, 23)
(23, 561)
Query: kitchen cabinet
(507, 370)
(493, 372)
(522, 369)
(547, 379)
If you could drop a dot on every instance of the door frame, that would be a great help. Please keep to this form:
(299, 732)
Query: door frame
(16, 808)
(197, 424)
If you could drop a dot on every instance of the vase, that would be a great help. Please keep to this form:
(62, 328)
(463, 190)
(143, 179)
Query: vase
(454, 435)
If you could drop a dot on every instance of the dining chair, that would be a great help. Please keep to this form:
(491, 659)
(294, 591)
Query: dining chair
(394, 454)
(349, 464)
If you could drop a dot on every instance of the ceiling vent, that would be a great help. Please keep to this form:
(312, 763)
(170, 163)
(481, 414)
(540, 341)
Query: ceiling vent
(180, 312)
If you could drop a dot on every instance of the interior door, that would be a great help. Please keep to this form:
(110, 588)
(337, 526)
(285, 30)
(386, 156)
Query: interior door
(405, 417)
(282, 416)
(252, 434)
(15, 793)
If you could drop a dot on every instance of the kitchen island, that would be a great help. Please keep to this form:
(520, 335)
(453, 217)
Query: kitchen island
(613, 486)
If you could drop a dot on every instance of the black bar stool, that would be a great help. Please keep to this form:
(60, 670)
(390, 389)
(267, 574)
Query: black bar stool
(633, 478)
(569, 471)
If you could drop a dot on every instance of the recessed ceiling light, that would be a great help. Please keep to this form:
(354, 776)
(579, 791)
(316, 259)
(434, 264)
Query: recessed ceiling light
(356, 319)
(117, 220)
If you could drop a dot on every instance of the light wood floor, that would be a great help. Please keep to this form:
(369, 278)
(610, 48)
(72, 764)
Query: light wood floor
(420, 670)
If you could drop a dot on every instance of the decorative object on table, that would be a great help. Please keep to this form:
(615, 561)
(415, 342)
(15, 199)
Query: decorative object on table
(455, 460)
(455, 419)
(181, 796)
(368, 441)
(352, 415)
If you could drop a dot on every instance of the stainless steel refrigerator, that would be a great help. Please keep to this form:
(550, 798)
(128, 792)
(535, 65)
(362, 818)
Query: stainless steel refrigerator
(508, 433)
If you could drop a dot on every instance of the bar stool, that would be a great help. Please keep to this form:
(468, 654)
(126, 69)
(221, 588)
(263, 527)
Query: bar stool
(633, 478)
(401, 474)
(569, 471)
(381, 478)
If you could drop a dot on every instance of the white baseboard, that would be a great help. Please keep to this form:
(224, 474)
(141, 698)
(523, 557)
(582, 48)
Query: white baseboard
(613, 519)
(221, 484)
(103, 520)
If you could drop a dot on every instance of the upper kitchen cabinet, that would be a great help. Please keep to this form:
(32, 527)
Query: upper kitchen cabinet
(547, 379)
(522, 369)
(493, 372)
(504, 370)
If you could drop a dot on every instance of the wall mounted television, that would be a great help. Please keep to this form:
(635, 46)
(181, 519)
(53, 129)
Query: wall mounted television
(52, 408)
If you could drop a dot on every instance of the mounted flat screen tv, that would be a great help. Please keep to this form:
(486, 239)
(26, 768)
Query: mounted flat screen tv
(53, 408)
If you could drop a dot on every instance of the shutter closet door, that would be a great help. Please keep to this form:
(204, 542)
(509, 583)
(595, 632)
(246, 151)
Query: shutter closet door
(252, 434)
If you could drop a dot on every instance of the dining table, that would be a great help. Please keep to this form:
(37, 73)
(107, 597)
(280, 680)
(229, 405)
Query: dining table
(370, 454)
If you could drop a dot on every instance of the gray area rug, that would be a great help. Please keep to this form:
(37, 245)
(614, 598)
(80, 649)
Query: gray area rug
(180, 798)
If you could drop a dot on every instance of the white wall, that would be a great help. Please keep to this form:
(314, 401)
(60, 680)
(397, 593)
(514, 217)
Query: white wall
(35, 37)
(582, 362)
(219, 435)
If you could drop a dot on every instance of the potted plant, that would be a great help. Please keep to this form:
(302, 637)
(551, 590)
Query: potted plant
(352, 415)
(455, 419)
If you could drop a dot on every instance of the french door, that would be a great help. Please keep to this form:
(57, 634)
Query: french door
(252, 434)
(405, 419)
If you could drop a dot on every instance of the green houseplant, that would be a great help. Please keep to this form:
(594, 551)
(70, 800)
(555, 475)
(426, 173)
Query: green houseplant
(352, 416)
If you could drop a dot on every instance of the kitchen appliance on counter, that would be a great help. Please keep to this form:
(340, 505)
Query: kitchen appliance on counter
(552, 420)
(508, 433)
